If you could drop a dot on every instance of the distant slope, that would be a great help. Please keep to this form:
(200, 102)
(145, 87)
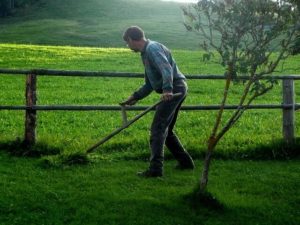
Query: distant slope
(96, 23)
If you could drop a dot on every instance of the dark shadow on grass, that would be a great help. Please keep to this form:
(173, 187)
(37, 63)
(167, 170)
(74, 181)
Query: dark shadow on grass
(279, 150)
(199, 200)
(50, 156)
(21, 149)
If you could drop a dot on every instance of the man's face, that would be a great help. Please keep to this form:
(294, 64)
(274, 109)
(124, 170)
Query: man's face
(132, 45)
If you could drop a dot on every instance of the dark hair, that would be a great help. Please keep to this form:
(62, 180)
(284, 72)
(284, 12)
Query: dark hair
(134, 32)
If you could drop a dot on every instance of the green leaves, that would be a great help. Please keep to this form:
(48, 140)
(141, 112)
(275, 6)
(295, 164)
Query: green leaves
(244, 33)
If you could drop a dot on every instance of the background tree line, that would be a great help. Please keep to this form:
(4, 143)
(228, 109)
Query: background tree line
(7, 7)
(296, 47)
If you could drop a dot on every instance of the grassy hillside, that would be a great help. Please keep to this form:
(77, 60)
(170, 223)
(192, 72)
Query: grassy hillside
(96, 23)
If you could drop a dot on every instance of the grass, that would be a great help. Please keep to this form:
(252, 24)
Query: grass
(76, 131)
(104, 189)
(109, 192)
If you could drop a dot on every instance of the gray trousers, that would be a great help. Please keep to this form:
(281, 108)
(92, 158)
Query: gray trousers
(162, 130)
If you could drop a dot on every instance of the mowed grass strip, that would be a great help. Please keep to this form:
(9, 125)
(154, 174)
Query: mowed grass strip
(109, 192)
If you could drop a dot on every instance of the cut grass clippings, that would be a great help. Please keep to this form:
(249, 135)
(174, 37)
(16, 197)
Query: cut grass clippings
(71, 159)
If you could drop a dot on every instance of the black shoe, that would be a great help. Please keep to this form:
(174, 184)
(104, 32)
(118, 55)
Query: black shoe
(185, 166)
(150, 173)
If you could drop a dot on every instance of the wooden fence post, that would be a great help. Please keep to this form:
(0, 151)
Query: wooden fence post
(30, 115)
(288, 125)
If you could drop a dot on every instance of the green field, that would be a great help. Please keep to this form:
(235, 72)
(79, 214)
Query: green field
(253, 175)
(256, 130)
(107, 191)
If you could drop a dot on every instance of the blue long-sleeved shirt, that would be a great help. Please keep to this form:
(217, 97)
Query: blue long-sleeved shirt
(160, 70)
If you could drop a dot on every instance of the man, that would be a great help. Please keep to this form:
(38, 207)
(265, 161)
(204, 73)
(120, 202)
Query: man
(162, 76)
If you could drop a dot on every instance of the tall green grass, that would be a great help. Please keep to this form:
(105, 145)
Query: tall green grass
(75, 131)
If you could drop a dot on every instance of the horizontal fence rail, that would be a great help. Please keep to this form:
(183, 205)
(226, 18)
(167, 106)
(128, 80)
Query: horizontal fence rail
(74, 73)
(288, 105)
(141, 108)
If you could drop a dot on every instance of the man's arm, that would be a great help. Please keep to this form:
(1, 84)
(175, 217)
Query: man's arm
(144, 91)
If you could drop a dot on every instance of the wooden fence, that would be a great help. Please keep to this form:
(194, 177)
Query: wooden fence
(288, 105)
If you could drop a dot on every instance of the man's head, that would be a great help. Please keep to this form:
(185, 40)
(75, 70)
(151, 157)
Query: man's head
(135, 38)
(134, 33)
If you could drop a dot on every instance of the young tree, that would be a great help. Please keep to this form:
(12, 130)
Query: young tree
(251, 37)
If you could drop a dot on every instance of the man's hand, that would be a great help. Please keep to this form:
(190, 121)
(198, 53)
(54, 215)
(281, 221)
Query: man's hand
(130, 101)
(167, 96)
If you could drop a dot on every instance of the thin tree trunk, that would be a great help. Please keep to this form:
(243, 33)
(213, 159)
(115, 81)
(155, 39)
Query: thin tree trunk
(212, 140)
(204, 178)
